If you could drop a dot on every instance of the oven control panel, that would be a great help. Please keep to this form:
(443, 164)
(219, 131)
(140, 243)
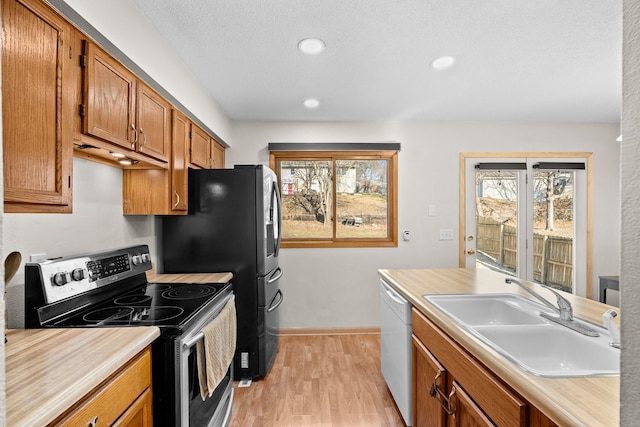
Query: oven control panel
(67, 277)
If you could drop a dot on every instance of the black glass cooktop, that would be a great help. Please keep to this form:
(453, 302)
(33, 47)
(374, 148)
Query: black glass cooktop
(151, 304)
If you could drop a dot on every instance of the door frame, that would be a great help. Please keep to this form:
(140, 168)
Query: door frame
(588, 159)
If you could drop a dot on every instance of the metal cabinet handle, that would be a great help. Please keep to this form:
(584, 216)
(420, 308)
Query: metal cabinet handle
(437, 394)
(135, 139)
(177, 199)
(93, 422)
(144, 141)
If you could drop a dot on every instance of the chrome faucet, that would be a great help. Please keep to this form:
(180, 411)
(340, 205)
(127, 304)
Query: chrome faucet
(614, 332)
(564, 309)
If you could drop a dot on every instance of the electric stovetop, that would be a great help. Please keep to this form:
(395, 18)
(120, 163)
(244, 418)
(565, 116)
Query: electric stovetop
(151, 304)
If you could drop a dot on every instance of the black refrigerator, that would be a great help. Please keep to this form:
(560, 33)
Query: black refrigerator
(233, 224)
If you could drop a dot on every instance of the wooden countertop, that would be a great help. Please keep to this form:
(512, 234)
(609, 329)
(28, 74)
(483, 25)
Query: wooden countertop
(593, 401)
(48, 370)
(189, 277)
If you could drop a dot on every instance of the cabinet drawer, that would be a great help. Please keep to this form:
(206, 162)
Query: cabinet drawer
(111, 399)
(494, 398)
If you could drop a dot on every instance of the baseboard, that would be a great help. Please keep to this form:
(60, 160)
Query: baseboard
(329, 331)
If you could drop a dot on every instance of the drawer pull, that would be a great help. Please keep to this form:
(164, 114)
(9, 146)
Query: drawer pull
(442, 398)
(94, 422)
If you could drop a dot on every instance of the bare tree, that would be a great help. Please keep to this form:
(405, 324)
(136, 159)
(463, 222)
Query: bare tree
(315, 187)
(552, 184)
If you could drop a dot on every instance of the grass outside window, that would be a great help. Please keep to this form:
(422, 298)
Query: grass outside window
(337, 198)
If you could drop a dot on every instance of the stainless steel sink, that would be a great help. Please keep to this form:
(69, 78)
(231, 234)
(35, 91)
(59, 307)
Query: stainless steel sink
(511, 324)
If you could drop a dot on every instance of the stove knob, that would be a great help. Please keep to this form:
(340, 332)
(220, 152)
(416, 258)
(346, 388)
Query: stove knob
(59, 279)
(77, 274)
(136, 259)
(146, 258)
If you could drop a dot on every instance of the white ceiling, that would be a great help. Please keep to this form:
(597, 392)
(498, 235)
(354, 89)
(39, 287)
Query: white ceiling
(520, 60)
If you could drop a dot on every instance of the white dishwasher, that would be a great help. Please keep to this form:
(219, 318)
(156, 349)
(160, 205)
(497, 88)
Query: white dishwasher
(395, 347)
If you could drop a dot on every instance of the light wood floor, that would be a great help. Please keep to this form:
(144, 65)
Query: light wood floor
(326, 380)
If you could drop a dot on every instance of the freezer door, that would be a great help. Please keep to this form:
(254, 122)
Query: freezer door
(269, 320)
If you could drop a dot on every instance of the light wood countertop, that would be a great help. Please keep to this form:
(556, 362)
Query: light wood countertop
(189, 277)
(48, 370)
(593, 401)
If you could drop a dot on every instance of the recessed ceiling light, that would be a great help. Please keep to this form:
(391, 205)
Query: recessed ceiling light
(311, 46)
(443, 62)
(311, 103)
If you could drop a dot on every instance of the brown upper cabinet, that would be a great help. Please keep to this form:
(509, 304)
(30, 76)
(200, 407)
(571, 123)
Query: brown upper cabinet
(120, 109)
(63, 95)
(37, 91)
(165, 192)
(205, 152)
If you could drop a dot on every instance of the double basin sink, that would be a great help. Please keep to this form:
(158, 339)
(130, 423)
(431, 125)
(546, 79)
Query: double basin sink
(511, 325)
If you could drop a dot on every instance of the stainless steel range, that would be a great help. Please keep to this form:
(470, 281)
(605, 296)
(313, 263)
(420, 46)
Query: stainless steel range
(110, 289)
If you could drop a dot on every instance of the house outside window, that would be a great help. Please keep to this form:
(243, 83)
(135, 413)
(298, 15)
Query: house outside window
(337, 198)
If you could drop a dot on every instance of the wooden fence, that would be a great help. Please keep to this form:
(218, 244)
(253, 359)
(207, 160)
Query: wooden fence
(552, 256)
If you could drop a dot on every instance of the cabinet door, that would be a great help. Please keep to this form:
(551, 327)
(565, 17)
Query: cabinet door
(429, 388)
(465, 413)
(200, 150)
(179, 178)
(152, 123)
(217, 155)
(109, 99)
(138, 414)
(36, 130)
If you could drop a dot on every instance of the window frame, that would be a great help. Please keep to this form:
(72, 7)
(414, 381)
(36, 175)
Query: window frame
(391, 156)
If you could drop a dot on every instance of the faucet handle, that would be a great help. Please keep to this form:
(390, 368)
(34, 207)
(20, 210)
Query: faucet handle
(614, 332)
(566, 310)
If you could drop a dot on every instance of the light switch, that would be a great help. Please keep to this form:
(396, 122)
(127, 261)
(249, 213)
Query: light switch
(432, 210)
(446, 234)
(406, 235)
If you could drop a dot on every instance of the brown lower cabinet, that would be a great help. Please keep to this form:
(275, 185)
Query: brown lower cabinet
(451, 388)
(124, 400)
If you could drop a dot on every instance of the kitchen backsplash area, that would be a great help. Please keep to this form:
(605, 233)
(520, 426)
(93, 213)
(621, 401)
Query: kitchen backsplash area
(97, 223)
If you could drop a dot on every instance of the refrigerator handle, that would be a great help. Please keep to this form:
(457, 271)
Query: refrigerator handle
(277, 273)
(276, 193)
(273, 307)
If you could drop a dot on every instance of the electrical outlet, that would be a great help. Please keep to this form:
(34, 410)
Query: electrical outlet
(446, 234)
(37, 257)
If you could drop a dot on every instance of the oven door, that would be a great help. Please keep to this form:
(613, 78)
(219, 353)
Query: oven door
(214, 411)
(193, 411)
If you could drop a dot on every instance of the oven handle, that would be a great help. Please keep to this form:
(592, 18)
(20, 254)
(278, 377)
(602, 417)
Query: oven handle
(200, 335)
(278, 274)
(194, 339)
(270, 309)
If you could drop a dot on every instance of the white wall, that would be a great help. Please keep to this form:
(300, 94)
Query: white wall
(630, 198)
(338, 287)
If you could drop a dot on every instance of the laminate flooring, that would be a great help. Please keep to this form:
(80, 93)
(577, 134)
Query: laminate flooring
(321, 380)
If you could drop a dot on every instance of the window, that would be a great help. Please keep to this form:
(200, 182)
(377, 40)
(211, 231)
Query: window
(337, 198)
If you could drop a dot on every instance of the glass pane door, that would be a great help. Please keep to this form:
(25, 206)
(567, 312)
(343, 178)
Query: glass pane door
(553, 228)
(497, 220)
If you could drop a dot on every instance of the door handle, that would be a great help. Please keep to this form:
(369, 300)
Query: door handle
(279, 293)
(278, 274)
(471, 252)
